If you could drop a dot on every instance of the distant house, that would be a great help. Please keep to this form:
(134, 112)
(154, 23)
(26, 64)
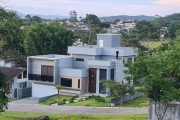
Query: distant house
(18, 83)
(81, 71)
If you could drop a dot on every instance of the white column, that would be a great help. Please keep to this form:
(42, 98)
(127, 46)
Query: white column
(97, 81)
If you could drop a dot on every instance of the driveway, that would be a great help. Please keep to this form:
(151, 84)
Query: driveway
(25, 101)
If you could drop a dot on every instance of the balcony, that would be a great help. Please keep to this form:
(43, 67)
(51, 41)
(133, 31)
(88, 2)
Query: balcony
(41, 78)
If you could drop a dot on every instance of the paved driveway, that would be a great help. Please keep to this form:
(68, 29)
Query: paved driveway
(25, 101)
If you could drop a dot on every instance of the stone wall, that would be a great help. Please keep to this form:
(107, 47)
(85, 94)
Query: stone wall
(171, 110)
(127, 97)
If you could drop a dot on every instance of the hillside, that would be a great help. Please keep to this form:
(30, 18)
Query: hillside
(127, 18)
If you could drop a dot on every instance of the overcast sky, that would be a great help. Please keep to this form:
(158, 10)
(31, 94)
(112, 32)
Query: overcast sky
(98, 7)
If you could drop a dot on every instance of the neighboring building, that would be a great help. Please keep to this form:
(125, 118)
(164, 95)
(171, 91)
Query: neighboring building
(16, 62)
(18, 83)
(82, 70)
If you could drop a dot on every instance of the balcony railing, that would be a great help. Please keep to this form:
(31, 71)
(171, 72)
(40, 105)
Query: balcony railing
(42, 78)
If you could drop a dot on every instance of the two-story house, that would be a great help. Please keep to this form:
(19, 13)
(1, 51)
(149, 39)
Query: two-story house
(81, 71)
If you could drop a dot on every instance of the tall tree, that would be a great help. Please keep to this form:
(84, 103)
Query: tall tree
(92, 19)
(4, 92)
(160, 72)
(11, 35)
(50, 38)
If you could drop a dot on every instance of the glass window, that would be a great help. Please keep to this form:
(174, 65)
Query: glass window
(78, 83)
(79, 59)
(66, 82)
(20, 76)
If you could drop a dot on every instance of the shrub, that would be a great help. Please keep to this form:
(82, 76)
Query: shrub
(77, 96)
(59, 103)
(90, 96)
(87, 105)
(71, 101)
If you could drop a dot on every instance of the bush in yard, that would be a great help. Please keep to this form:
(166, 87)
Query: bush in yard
(59, 103)
(71, 101)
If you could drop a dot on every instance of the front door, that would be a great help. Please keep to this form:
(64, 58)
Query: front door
(92, 80)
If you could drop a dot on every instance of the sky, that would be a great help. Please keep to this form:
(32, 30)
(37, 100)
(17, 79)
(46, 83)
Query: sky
(97, 7)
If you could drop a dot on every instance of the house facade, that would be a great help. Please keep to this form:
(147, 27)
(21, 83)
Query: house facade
(81, 71)
(19, 85)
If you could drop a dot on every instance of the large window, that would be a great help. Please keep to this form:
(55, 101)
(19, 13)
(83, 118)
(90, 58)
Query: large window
(78, 83)
(66, 82)
(25, 74)
(47, 73)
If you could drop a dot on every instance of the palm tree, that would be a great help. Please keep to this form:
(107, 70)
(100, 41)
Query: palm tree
(59, 88)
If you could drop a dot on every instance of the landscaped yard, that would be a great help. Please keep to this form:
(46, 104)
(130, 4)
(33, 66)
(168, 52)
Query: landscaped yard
(55, 99)
(138, 102)
(32, 116)
(91, 102)
(152, 45)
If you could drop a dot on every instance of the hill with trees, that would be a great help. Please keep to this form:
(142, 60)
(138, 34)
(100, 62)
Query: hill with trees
(127, 18)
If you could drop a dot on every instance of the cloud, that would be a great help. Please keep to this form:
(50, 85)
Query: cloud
(169, 2)
(98, 7)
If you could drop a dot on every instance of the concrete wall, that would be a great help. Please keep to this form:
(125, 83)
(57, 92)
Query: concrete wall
(73, 72)
(65, 62)
(42, 90)
(84, 85)
(127, 97)
(172, 111)
(24, 92)
(109, 40)
(81, 64)
(56, 71)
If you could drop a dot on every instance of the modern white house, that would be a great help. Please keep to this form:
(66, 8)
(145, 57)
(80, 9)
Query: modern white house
(81, 71)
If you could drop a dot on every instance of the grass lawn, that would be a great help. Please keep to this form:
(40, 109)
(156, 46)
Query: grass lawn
(138, 102)
(55, 98)
(11, 99)
(153, 45)
(32, 116)
(91, 102)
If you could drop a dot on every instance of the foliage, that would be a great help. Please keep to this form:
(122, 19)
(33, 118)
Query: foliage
(173, 28)
(160, 71)
(92, 19)
(50, 38)
(11, 35)
(4, 92)
(58, 89)
(31, 19)
(117, 89)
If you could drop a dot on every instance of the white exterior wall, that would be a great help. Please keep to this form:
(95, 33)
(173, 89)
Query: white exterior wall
(39, 90)
(36, 65)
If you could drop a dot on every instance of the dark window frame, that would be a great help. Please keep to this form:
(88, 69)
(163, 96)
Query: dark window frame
(66, 82)
(80, 59)
(79, 82)
(47, 73)
(20, 76)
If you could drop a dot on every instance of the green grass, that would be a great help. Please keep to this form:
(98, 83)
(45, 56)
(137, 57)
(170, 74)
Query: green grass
(11, 99)
(55, 99)
(138, 102)
(32, 116)
(152, 45)
(91, 102)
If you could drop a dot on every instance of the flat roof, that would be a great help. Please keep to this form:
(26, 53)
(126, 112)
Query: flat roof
(50, 56)
(108, 34)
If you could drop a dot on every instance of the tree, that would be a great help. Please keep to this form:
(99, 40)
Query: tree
(160, 72)
(73, 16)
(92, 19)
(117, 89)
(11, 35)
(4, 92)
(173, 27)
(58, 89)
(50, 38)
